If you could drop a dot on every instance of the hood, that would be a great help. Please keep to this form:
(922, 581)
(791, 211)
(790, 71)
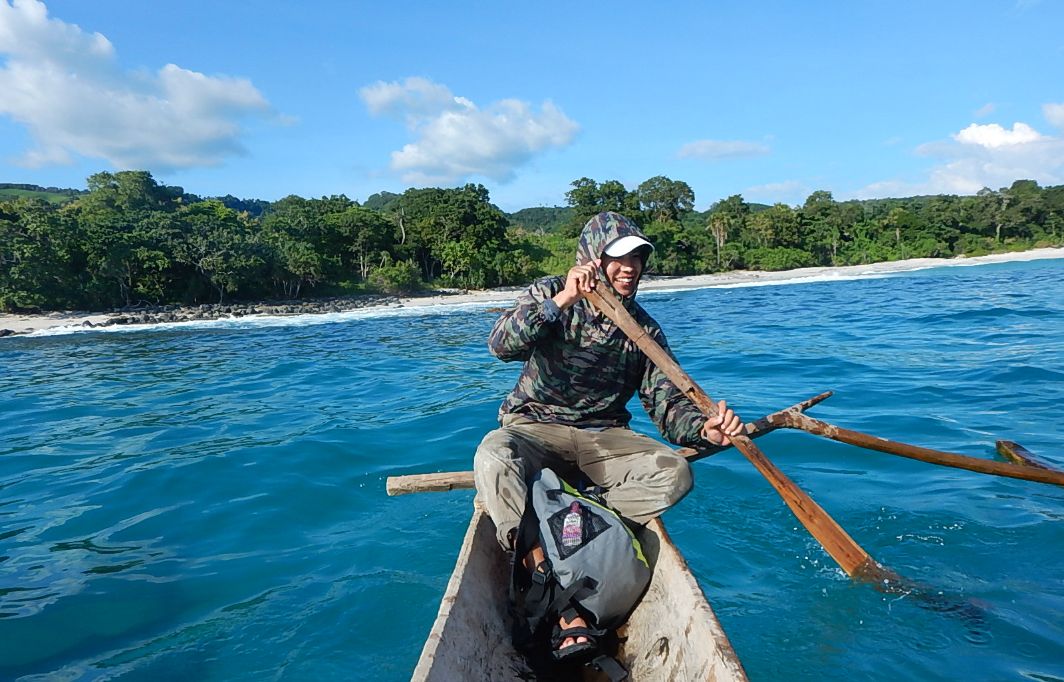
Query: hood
(600, 231)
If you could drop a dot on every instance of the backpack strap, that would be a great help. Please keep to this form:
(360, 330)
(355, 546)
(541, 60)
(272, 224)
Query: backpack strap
(609, 666)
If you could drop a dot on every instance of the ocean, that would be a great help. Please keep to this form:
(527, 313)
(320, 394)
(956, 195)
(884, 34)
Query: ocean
(207, 502)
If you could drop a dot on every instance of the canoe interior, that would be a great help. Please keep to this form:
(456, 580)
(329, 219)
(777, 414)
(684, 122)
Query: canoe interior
(672, 635)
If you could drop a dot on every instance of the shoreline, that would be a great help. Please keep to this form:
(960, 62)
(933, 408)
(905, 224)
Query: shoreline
(22, 324)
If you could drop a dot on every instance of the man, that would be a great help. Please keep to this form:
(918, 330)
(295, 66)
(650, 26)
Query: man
(567, 411)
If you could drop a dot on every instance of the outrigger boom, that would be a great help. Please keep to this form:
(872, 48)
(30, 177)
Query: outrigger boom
(1023, 464)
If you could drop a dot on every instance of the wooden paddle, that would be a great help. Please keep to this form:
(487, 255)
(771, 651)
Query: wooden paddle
(1018, 454)
(1028, 471)
(842, 548)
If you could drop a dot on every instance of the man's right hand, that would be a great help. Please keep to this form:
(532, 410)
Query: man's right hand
(581, 279)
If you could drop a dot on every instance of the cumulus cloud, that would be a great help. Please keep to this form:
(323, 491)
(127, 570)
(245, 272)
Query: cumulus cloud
(981, 156)
(722, 149)
(993, 136)
(1054, 113)
(66, 87)
(414, 99)
(455, 139)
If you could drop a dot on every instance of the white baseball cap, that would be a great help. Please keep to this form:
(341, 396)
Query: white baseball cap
(625, 245)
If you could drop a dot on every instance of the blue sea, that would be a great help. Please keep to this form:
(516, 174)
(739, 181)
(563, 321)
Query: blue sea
(208, 502)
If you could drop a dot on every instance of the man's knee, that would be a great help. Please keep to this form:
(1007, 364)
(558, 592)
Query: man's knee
(498, 473)
(678, 480)
(496, 446)
(496, 459)
(671, 479)
(659, 488)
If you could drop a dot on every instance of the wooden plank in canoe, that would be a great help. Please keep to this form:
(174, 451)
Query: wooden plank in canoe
(672, 635)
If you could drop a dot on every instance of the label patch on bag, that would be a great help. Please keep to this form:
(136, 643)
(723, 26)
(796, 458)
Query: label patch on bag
(574, 527)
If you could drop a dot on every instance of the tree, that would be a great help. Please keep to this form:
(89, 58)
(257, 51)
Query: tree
(584, 196)
(777, 258)
(772, 227)
(316, 240)
(130, 191)
(821, 226)
(295, 264)
(364, 234)
(727, 219)
(397, 278)
(435, 219)
(588, 198)
(1023, 211)
(614, 197)
(219, 246)
(36, 262)
(664, 199)
(125, 233)
(991, 210)
(677, 248)
(942, 217)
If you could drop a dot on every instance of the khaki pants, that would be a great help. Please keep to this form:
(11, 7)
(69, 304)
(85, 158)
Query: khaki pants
(642, 477)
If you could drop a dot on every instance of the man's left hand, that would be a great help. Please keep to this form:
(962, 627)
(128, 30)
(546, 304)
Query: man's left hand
(720, 429)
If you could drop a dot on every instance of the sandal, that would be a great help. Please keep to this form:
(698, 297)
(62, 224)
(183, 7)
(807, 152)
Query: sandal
(577, 652)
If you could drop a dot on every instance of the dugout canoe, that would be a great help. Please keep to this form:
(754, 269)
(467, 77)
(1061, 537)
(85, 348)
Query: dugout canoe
(673, 633)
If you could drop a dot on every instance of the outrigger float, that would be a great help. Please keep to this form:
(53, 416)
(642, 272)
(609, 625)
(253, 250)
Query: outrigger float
(672, 633)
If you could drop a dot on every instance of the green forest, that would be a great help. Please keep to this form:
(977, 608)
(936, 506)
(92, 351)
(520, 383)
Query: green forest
(127, 240)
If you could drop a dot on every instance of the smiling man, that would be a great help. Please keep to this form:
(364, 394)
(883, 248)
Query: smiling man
(568, 410)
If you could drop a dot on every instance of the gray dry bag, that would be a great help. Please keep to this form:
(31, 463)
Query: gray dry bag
(594, 567)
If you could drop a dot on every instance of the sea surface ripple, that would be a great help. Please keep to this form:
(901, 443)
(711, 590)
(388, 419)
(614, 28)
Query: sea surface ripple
(207, 503)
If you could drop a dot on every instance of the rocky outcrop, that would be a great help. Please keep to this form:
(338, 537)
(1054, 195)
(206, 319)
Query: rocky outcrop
(215, 311)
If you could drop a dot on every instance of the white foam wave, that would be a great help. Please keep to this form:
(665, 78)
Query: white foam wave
(811, 279)
(265, 321)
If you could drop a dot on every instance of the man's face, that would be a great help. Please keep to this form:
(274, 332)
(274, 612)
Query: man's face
(623, 272)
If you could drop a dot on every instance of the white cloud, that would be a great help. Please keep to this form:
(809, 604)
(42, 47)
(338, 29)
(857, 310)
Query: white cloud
(1054, 113)
(414, 99)
(985, 110)
(788, 191)
(993, 136)
(27, 33)
(66, 87)
(455, 139)
(984, 156)
(722, 149)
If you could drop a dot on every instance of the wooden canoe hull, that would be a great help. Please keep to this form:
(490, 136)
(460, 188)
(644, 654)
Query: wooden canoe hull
(672, 635)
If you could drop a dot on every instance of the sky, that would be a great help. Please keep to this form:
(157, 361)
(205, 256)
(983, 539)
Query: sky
(770, 100)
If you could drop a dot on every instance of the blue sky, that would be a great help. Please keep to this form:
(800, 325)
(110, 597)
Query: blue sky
(771, 100)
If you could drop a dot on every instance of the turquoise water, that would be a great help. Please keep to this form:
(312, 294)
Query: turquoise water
(207, 503)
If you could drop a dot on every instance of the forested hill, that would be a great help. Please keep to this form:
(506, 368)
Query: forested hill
(542, 219)
(55, 195)
(127, 239)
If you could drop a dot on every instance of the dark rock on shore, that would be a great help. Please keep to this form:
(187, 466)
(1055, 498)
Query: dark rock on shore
(149, 314)
(216, 311)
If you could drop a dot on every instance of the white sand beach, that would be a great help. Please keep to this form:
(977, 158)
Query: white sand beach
(23, 324)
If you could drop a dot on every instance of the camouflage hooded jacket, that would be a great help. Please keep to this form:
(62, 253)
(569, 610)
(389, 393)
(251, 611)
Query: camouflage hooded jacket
(580, 369)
